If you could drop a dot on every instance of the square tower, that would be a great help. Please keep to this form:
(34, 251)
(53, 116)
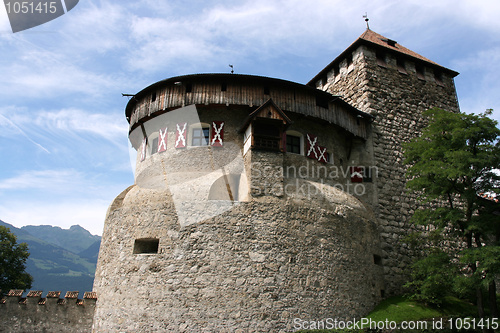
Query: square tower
(379, 76)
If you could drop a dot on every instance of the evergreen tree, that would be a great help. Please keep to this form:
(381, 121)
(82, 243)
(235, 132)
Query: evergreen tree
(452, 165)
(13, 258)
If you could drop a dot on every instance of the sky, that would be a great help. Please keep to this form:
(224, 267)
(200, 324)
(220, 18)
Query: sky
(64, 153)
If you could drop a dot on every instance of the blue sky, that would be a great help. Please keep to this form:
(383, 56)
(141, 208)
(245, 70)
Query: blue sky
(63, 135)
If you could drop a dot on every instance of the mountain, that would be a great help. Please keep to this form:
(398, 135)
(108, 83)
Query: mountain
(52, 262)
(92, 252)
(75, 239)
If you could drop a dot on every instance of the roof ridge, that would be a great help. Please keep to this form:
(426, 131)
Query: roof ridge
(376, 38)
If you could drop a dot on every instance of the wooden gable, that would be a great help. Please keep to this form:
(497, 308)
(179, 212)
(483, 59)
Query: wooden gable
(269, 110)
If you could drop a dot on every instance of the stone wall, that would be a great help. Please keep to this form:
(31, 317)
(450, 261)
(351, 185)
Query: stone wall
(252, 265)
(397, 100)
(48, 314)
(253, 268)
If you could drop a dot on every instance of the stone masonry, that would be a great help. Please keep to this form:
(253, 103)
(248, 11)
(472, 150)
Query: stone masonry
(395, 85)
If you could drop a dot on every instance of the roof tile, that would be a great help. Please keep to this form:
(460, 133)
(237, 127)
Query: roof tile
(90, 295)
(387, 43)
(34, 293)
(53, 294)
(15, 293)
(71, 294)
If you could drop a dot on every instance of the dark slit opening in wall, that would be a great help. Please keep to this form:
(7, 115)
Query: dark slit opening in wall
(146, 245)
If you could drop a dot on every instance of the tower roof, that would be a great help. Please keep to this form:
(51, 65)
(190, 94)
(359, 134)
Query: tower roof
(376, 40)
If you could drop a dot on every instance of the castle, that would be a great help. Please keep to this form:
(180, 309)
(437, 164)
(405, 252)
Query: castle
(260, 202)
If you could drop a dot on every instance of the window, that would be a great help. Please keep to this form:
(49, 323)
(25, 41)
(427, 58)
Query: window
(266, 135)
(349, 60)
(381, 59)
(420, 71)
(391, 42)
(322, 102)
(189, 87)
(200, 136)
(266, 91)
(223, 87)
(400, 63)
(324, 80)
(146, 245)
(336, 70)
(293, 144)
(154, 146)
(438, 76)
(153, 96)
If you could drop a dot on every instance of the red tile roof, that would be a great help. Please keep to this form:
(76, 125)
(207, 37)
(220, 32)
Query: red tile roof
(90, 295)
(71, 294)
(34, 293)
(15, 293)
(53, 294)
(373, 38)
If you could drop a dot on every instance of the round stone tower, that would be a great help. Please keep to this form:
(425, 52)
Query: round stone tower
(250, 210)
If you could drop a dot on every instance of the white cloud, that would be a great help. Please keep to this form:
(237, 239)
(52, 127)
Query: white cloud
(65, 122)
(91, 28)
(481, 68)
(47, 180)
(109, 126)
(39, 73)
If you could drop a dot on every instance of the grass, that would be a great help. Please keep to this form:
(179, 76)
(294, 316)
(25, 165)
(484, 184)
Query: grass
(400, 309)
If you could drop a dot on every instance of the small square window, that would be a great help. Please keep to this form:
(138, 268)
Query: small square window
(200, 136)
(322, 102)
(293, 144)
(146, 245)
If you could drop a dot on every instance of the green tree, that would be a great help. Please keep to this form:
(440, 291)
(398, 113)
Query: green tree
(13, 258)
(451, 164)
(432, 278)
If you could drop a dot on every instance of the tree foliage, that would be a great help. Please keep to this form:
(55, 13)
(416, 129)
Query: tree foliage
(451, 165)
(432, 277)
(13, 258)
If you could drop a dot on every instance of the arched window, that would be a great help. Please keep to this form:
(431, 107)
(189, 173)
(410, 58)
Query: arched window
(294, 142)
(199, 135)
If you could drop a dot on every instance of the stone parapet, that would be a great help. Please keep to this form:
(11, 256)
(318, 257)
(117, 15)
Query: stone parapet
(51, 313)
